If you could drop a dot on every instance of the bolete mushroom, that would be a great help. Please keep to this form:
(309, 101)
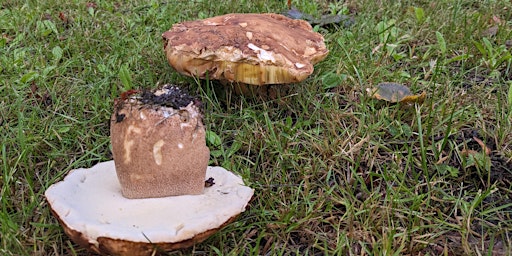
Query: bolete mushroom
(158, 143)
(256, 49)
(93, 212)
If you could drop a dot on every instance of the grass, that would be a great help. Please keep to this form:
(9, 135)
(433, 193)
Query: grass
(334, 171)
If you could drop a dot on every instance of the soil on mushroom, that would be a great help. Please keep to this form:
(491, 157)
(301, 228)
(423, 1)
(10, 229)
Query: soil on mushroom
(173, 97)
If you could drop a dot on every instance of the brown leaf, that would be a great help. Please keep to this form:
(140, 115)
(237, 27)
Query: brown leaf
(47, 16)
(508, 43)
(33, 88)
(394, 93)
(496, 19)
(469, 152)
(273, 226)
(63, 18)
(419, 98)
(7, 38)
(482, 144)
(490, 32)
(45, 100)
(91, 5)
(266, 248)
(442, 159)
(251, 233)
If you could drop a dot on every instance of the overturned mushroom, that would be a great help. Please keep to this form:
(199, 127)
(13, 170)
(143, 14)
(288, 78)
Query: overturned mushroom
(89, 205)
(159, 194)
(254, 49)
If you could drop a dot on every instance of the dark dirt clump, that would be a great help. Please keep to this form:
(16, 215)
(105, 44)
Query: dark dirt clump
(174, 97)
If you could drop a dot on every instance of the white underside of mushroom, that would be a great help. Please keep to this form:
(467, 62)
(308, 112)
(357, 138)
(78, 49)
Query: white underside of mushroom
(90, 201)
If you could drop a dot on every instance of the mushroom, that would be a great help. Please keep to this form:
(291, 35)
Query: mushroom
(158, 143)
(256, 49)
(93, 212)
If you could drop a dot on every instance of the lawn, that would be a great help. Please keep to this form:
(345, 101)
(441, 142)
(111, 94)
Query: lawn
(335, 171)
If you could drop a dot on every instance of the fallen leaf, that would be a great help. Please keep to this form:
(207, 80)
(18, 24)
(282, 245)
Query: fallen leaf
(508, 43)
(442, 159)
(414, 98)
(496, 19)
(477, 159)
(63, 17)
(91, 5)
(65, 20)
(267, 246)
(344, 20)
(376, 48)
(394, 93)
(490, 32)
(33, 88)
(47, 16)
(251, 233)
(45, 99)
(469, 152)
(486, 149)
(7, 38)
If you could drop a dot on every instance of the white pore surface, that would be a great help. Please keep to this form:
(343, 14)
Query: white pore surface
(90, 201)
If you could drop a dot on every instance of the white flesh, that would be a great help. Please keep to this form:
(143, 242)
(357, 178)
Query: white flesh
(90, 201)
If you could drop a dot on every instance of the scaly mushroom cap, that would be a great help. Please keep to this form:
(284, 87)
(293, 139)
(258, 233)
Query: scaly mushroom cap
(89, 205)
(249, 48)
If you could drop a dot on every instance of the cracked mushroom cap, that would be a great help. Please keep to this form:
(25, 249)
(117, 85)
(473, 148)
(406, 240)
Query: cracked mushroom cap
(248, 48)
(90, 207)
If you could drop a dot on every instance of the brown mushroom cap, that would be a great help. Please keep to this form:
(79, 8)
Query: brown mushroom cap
(89, 205)
(248, 48)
